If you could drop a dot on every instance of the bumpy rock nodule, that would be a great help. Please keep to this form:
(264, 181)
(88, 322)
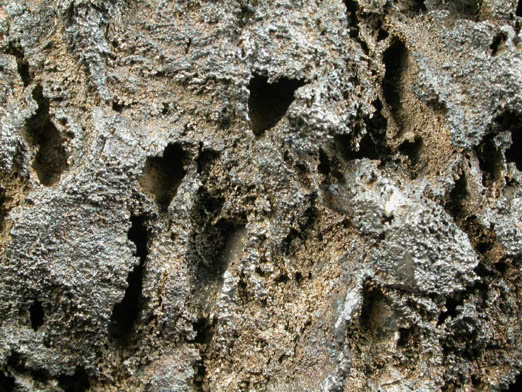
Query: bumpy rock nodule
(260, 196)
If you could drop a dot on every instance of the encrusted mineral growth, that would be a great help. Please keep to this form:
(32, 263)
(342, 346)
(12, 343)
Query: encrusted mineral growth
(260, 195)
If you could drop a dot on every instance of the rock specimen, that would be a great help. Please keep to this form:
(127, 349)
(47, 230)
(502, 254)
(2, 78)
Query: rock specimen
(259, 195)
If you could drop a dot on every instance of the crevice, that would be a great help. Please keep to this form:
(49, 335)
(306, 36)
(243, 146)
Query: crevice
(498, 43)
(205, 160)
(36, 313)
(514, 152)
(203, 330)
(51, 159)
(452, 305)
(7, 382)
(458, 194)
(518, 11)
(78, 382)
(395, 59)
(412, 149)
(373, 302)
(18, 364)
(490, 161)
(404, 337)
(268, 102)
(221, 246)
(126, 312)
(163, 175)
(21, 64)
(517, 384)
(3, 209)
(382, 35)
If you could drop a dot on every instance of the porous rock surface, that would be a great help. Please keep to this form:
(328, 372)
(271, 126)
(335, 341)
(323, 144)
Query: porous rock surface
(260, 195)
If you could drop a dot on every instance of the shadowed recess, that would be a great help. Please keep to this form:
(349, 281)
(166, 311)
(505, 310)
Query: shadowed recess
(36, 313)
(490, 161)
(51, 158)
(3, 209)
(519, 8)
(224, 245)
(78, 382)
(412, 149)
(498, 43)
(7, 382)
(395, 59)
(162, 175)
(514, 153)
(21, 64)
(517, 385)
(268, 102)
(126, 312)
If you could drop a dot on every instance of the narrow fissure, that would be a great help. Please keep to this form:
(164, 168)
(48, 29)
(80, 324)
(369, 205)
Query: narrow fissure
(268, 102)
(452, 303)
(514, 153)
(517, 384)
(490, 161)
(78, 382)
(163, 175)
(51, 158)
(126, 312)
(498, 43)
(36, 313)
(519, 8)
(412, 150)
(395, 59)
(456, 197)
(21, 64)
(224, 244)
(3, 209)
(7, 382)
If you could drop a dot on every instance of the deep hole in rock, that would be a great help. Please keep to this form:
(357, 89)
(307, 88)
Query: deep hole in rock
(352, 7)
(404, 337)
(367, 148)
(395, 59)
(412, 149)
(514, 153)
(490, 161)
(373, 304)
(203, 330)
(517, 385)
(482, 238)
(456, 197)
(498, 43)
(205, 160)
(282, 279)
(268, 102)
(126, 312)
(22, 65)
(78, 382)
(162, 175)
(3, 209)
(51, 158)
(519, 8)
(324, 164)
(36, 314)
(222, 244)
(501, 267)
(7, 382)
(419, 5)
(451, 309)
(18, 363)
(382, 35)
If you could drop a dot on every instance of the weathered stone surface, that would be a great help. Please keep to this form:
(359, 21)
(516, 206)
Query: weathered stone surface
(260, 195)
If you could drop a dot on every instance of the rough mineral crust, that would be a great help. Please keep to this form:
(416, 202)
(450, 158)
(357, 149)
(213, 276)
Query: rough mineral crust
(260, 195)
